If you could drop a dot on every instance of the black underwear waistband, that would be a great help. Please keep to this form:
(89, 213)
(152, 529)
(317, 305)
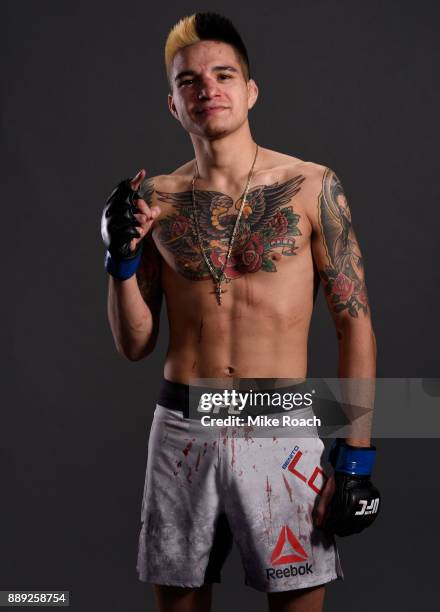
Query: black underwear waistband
(176, 396)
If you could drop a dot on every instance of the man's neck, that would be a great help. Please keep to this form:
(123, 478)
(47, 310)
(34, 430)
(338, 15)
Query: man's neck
(225, 160)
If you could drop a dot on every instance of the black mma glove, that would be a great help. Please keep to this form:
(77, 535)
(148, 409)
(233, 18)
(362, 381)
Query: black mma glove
(355, 503)
(118, 228)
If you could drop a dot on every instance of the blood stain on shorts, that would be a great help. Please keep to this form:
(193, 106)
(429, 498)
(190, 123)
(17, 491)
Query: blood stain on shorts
(288, 487)
(187, 448)
(247, 429)
(267, 528)
(269, 494)
(179, 465)
(309, 514)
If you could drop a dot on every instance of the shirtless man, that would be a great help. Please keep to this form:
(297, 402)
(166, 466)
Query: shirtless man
(242, 314)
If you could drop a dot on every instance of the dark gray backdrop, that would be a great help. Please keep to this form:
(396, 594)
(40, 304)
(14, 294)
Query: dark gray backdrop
(349, 84)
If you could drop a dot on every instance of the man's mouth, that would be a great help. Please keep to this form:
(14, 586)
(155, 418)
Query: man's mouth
(210, 110)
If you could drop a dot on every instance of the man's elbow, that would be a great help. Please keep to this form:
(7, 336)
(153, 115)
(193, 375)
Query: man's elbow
(347, 326)
(136, 354)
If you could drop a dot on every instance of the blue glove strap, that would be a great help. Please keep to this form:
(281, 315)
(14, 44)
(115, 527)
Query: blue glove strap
(358, 461)
(121, 269)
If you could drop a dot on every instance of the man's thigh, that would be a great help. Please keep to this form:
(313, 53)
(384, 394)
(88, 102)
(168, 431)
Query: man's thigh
(303, 600)
(183, 599)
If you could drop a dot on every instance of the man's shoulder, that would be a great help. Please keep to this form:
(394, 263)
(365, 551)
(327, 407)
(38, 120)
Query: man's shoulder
(178, 180)
(175, 178)
(311, 171)
(312, 175)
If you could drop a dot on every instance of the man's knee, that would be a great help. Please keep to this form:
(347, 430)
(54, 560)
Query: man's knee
(302, 600)
(183, 599)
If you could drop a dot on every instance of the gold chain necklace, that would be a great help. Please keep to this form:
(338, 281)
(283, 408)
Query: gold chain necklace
(219, 279)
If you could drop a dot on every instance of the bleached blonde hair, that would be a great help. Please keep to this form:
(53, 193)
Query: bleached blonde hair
(204, 26)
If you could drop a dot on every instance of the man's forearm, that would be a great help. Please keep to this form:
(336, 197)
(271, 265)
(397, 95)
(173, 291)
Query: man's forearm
(357, 371)
(130, 318)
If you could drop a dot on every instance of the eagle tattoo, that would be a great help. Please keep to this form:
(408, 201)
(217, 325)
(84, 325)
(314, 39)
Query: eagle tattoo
(263, 227)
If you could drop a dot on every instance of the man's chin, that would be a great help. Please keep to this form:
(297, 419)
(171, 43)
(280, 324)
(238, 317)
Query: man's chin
(213, 130)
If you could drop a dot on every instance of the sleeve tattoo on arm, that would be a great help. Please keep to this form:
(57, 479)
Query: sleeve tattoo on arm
(343, 277)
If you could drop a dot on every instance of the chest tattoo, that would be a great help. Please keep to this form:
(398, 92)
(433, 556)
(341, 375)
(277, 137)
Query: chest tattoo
(266, 231)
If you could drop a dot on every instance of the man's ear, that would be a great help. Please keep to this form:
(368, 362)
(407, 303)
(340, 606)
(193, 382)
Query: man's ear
(172, 107)
(252, 93)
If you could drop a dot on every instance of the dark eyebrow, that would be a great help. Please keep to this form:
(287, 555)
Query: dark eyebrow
(185, 73)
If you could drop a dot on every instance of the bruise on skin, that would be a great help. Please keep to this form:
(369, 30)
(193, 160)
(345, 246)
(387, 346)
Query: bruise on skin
(288, 487)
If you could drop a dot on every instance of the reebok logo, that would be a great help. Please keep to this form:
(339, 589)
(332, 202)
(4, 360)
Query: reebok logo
(286, 572)
(283, 554)
(299, 553)
(288, 550)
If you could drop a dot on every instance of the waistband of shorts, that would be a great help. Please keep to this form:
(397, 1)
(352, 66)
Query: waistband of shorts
(175, 396)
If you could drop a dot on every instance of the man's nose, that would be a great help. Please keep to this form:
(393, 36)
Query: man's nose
(208, 88)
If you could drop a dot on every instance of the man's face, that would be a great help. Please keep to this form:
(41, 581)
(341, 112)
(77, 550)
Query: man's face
(210, 96)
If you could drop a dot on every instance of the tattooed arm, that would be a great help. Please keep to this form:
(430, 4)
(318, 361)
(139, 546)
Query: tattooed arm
(338, 258)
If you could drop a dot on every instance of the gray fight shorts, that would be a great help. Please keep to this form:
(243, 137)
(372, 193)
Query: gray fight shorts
(205, 487)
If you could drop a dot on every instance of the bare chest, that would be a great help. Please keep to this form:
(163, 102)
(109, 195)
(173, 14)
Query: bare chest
(214, 236)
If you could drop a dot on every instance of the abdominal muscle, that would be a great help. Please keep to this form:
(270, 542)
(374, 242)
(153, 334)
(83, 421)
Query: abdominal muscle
(259, 331)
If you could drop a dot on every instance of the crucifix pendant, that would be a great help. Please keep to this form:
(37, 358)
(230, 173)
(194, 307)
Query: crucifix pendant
(218, 293)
